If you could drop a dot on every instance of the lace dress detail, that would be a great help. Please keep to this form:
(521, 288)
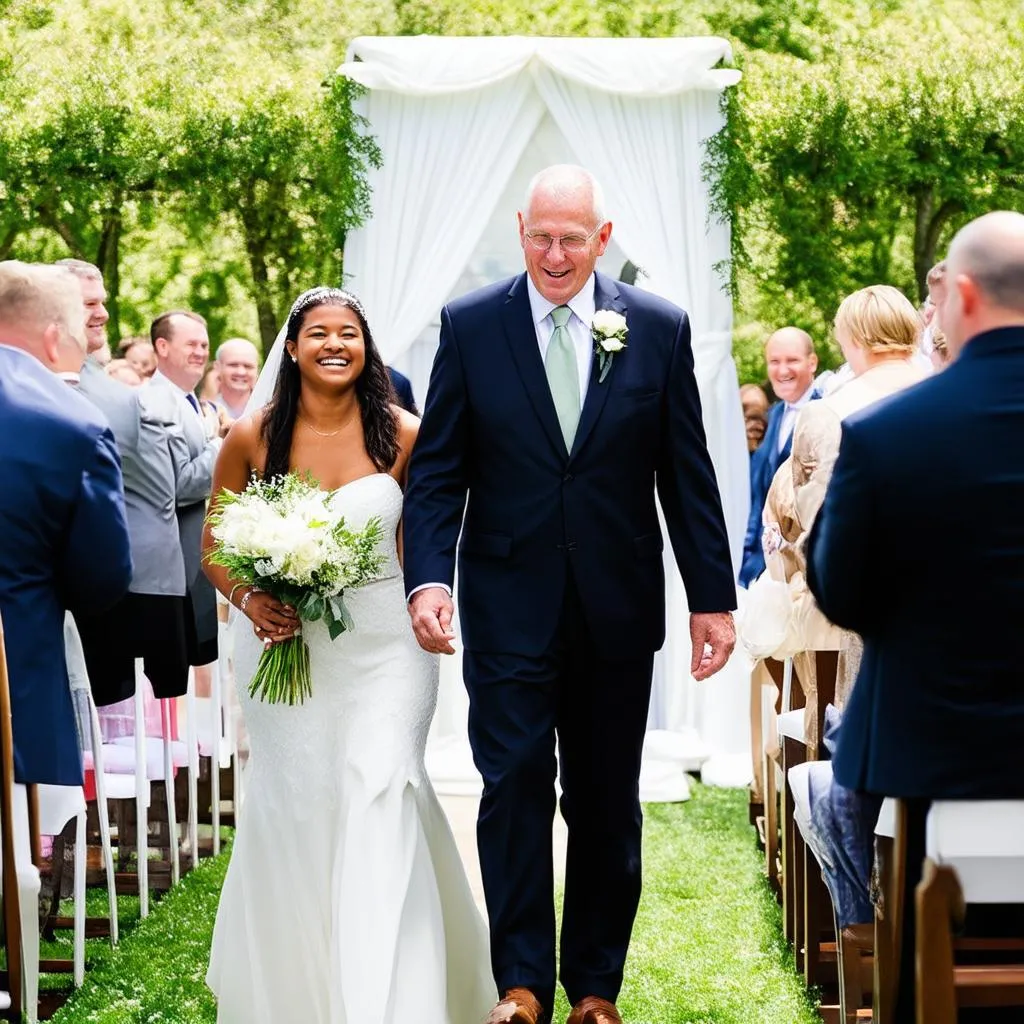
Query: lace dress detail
(345, 900)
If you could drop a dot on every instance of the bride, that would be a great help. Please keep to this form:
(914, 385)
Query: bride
(345, 900)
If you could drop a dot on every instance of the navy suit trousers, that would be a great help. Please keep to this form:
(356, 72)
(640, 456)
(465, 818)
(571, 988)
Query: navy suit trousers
(597, 708)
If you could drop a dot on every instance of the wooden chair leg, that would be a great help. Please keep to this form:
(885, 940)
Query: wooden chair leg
(892, 867)
(11, 897)
(792, 863)
(771, 824)
(939, 903)
(851, 945)
(817, 915)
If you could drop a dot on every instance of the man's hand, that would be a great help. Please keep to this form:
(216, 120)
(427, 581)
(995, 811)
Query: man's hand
(224, 422)
(714, 636)
(431, 612)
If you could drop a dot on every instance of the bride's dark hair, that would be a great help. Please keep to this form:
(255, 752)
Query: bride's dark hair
(373, 391)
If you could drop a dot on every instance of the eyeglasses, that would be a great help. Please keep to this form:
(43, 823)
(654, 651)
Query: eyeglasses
(542, 241)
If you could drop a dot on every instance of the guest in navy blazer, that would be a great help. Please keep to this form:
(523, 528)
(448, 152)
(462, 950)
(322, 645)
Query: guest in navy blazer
(63, 534)
(938, 707)
(403, 391)
(791, 361)
(562, 590)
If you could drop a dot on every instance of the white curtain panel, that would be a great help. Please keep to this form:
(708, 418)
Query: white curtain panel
(446, 159)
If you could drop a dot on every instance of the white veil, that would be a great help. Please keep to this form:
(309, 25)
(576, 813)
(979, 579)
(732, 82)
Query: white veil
(264, 389)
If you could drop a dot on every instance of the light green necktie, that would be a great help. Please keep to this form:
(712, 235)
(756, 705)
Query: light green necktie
(563, 374)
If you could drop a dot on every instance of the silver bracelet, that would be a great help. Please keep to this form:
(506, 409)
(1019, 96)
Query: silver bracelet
(245, 598)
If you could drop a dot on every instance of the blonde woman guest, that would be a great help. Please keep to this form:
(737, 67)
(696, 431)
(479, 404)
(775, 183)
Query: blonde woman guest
(878, 331)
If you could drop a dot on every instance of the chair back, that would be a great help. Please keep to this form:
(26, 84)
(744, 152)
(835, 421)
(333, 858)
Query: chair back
(983, 841)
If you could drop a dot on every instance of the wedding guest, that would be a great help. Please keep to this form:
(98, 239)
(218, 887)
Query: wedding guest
(150, 620)
(755, 414)
(937, 711)
(238, 365)
(121, 370)
(63, 535)
(878, 330)
(789, 353)
(141, 355)
(403, 391)
(936, 281)
(182, 346)
(209, 384)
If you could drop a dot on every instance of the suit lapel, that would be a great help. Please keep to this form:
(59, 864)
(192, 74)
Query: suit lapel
(606, 296)
(521, 335)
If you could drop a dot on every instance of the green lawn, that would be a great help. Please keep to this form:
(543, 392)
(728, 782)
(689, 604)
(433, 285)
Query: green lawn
(707, 947)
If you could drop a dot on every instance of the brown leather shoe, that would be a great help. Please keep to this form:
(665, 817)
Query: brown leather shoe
(520, 1006)
(594, 1010)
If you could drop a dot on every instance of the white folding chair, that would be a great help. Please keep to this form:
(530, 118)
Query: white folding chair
(28, 904)
(57, 806)
(91, 741)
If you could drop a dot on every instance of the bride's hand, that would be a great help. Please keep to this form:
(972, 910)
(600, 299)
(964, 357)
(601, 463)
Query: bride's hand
(272, 621)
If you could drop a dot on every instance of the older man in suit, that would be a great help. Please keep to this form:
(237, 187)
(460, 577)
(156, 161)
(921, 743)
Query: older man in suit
(937, 711)
(63, 534)
(150, 622)
(560, 446)
(791, 361)
(182, 347)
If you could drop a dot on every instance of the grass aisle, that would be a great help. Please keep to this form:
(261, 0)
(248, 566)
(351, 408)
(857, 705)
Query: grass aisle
(707, 944)
(707, 947)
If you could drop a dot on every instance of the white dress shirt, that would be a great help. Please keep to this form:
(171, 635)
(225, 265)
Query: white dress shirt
(790, 415)
(583, 309)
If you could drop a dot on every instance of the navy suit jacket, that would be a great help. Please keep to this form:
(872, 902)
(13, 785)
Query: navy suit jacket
(763, 465)
(919, 547)
(63, 545)
(403, 390)
(537, 513)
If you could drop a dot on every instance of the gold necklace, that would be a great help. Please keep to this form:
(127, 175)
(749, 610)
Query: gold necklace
(321, 433)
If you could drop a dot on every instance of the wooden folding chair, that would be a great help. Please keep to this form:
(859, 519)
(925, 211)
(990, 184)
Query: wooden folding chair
(975, 856)
(12, 977)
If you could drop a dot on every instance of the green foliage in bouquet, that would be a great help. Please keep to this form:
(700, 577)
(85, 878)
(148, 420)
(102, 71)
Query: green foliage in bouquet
(282, 537)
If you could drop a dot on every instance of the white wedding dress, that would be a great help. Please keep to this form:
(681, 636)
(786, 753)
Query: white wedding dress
(345, 900)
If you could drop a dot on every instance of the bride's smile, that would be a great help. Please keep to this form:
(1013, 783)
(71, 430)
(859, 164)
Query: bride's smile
(330, 346)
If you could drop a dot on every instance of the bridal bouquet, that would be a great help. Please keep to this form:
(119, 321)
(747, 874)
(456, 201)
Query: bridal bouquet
(284, 537)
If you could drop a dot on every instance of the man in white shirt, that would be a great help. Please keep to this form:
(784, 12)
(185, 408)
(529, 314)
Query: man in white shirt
(239, 365)
(792, 363)
(182, 347)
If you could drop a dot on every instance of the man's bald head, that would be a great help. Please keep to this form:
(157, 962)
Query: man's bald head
(985, 277)
(789, 353)
(238, 361)
(792, 336)
(41, 313)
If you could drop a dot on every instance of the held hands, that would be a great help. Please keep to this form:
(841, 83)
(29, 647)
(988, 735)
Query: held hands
(272, 621)
(431, 612)
(714, 636)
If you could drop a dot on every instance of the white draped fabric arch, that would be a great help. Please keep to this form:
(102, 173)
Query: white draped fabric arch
(462, 124)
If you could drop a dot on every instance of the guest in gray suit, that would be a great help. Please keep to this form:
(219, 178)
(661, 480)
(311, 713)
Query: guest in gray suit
(151, 620)
(182, 349)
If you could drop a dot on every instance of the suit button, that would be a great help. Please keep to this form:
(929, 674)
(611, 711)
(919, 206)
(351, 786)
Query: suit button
(568, 478)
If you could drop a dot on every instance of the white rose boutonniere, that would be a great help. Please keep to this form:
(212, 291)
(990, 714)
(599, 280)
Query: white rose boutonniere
(609, 331)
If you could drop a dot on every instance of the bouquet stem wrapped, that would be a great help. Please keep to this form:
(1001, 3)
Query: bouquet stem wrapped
(284, 537)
